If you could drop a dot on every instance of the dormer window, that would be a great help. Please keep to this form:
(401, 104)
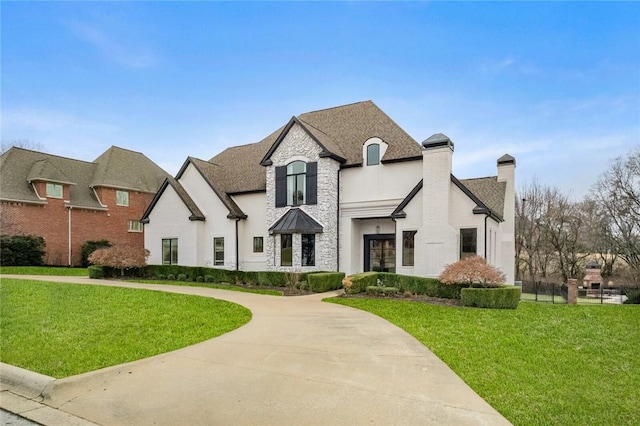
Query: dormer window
(54, 190)
(373, 154)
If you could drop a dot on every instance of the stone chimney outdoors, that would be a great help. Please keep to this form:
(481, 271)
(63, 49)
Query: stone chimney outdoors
(592, 279)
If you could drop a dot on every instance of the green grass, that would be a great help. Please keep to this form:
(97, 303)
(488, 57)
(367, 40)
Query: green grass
(44, 270)
(541, 364)
(211, 285)
(64, 329)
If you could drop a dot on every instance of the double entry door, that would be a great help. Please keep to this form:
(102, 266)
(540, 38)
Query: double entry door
(380, 252)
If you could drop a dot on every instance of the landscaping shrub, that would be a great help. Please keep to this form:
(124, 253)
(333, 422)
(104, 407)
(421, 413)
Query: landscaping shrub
(182, 277)
(360, 282)
(22, 250)
(272, 278)
(89, 247)
(378, 290)
(505, 297)
(96, 272)
(161, 277)
(633, 297)
(325, 281)
(171, 277)
(208, 278)
(120, 257)
(472, 270)
(199, 279)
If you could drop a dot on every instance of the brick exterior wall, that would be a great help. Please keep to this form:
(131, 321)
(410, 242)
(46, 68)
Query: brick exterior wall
(51, 221)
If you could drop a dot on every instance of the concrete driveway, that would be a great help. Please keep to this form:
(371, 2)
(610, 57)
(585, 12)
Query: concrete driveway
(297, 362)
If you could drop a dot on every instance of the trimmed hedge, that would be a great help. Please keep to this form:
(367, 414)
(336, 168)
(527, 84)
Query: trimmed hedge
(506, 297)
(95, 272)
(378, 290)
(325, 281)
(405, 283)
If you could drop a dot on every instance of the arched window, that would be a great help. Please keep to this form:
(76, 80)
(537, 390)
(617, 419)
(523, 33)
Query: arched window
(373, 154)
(296, 183)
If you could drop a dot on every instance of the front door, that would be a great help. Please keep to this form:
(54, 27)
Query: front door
(380, 253)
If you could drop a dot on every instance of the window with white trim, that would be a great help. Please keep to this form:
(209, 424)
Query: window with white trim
(135, 226)
(54, 190)
(122, 198)
(373, 154)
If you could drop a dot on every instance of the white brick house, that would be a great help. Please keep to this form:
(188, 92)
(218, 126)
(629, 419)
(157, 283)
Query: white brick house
(343, 188)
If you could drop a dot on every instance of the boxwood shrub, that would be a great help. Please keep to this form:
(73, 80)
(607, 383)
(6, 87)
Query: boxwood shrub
(404, 283)
(95, 272)
(503, 297)
(324, 281)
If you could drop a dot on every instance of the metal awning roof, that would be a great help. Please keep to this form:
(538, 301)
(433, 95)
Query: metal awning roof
(296, 221)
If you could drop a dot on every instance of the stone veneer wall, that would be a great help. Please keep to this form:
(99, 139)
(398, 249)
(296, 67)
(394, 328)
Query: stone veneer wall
(298, 145)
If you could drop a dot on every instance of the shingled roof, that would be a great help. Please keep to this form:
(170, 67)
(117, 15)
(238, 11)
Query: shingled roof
(487, 193)
(117, 167)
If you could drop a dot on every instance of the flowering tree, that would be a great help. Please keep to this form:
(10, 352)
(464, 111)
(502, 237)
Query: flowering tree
(472, 270)
(121, 257)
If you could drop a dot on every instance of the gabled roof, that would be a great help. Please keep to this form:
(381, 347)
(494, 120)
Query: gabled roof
(341, 131)
(487, 193)
(120, 168)
(210, 172)
(196, 214)
(295, 220)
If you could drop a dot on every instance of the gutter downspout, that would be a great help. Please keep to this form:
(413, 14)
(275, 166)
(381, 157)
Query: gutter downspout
(486, 216)
(70, 208)
(237, 247)
(338, 227)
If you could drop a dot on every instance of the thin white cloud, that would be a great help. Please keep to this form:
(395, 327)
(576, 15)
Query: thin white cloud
(117, 49)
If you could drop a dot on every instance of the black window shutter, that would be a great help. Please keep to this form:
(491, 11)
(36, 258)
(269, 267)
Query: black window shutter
(281, 186)
(312, 183)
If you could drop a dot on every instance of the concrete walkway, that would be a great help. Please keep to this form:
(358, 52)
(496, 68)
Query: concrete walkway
(297, 362)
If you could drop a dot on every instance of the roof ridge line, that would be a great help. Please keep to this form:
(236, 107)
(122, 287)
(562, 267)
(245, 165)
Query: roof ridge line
(338, 106)
(53, 155)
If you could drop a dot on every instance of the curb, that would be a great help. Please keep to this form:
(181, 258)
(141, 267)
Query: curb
(25, 382)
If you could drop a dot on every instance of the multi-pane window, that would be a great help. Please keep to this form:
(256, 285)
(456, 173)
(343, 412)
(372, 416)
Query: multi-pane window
(170, 251)
(286, 249)
(373, 154)
(308, 250)
(408, 244)
(122, 198)
(54, 190)
(468, 242)
(296, 183)
(218, 251)
(135, 226)
(258, 244)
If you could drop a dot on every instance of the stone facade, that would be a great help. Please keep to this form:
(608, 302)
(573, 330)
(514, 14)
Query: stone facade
(298, 145)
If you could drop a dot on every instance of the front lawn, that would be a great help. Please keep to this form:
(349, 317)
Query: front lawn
(44, 270)
(541, 364)
(62, 330)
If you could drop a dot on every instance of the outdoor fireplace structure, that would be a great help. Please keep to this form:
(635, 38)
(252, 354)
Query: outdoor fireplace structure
(592, 279)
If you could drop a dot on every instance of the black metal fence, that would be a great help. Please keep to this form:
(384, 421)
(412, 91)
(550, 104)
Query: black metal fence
(549, 292)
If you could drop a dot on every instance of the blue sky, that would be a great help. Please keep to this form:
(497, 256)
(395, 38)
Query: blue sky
(557, 85)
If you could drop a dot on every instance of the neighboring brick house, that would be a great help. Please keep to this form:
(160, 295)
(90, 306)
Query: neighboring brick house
(343, 188)
(68, 201)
